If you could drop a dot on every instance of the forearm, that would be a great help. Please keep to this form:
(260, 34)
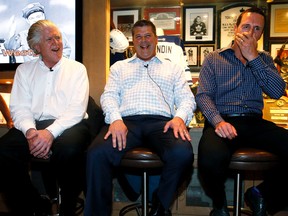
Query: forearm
(267, 77)
(208, 108)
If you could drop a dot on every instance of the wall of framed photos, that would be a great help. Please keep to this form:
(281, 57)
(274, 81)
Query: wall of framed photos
(217, 18)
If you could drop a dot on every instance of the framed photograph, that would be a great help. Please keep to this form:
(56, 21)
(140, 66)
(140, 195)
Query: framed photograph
(15, 24)
(278, 20)
(192, 55)
(124, 19)
(280, 56)
(199, 24)
(204, 50)
(167, 19)
(228, 17)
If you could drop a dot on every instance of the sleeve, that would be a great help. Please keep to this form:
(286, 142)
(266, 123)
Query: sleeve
(110, 99)
(184, 98)
(206, 94)
(267, 76)
(20, 101)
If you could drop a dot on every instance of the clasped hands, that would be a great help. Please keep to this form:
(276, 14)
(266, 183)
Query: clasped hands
(40, 142)
(119, 131)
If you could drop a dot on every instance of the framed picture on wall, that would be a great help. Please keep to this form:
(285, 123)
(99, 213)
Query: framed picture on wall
(199, 24)
(228, 17)
(14, 23)
(124, 19)
(204, 51)
(278, 20)
(192, 55)
(167, 19)
(279, 52)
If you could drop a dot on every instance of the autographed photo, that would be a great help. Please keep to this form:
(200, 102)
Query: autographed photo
(16, 18)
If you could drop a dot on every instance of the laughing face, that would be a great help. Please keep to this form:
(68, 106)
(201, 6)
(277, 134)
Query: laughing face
(145, 42)
(50, 46)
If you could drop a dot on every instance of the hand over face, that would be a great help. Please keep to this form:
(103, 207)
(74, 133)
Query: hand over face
(247, 44)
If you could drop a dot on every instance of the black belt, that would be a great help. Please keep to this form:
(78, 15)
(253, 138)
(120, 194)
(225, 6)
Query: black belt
(257, 115)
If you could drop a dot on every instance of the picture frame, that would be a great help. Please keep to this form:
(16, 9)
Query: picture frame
(227, 19)
(278, 20)
(69, 23)
(204, 51)
(124, 19)
(204, 30)
(191, 55)
(274, 51)
(168, 19)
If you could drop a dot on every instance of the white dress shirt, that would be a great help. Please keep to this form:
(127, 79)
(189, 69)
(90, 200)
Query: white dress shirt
(40, 93)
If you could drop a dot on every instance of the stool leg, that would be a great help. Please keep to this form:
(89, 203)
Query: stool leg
(238, 195)
(145, 195)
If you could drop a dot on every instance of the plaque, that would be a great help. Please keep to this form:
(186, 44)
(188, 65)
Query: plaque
(276, 111)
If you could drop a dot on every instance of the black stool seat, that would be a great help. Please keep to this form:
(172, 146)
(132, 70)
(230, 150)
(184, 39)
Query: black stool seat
(141, 158)
(248, 159)
(146, 160)
(253, 159)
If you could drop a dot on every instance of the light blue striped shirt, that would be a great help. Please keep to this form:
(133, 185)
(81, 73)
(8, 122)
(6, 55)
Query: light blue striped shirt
(156, 87)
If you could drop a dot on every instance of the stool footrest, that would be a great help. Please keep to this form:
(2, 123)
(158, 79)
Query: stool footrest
(245, 211)
(132, 207)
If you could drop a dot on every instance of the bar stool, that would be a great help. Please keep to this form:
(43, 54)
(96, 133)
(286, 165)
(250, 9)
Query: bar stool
(47, 185)
(248, 159)
(145, 160)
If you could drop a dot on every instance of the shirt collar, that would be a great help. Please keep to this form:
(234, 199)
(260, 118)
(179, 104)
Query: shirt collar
(229, 47)
(156, 58)
(55, 67)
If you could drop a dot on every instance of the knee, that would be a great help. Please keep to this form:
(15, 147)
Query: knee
(216, 164)
(182, 155)
(96, 153)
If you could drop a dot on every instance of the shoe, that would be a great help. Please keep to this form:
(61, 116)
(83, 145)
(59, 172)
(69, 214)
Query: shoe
(255, 201)
(220, 212)
(43, 206)
(157, 208)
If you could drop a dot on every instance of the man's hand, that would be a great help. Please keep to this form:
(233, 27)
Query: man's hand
(225, 130)
(179, 128)
(10, 124)
(119, 132)
(247, 43)
(40, 142)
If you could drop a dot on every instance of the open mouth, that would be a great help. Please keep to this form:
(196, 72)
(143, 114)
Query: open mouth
(144, 47)
(55, 49)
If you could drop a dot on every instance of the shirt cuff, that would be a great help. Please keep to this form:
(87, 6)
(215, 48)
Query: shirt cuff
(55, 129)
(113, 117)
(25, 125)
(217, 119)
(184, 117)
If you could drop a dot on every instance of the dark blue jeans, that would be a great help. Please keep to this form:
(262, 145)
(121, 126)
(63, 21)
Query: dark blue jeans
(103, 160)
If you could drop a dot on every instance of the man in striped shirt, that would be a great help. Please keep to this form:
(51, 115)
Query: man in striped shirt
(231, 83)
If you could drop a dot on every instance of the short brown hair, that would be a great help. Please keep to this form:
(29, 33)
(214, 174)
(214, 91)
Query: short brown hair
(143, 22)
(251, 10)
